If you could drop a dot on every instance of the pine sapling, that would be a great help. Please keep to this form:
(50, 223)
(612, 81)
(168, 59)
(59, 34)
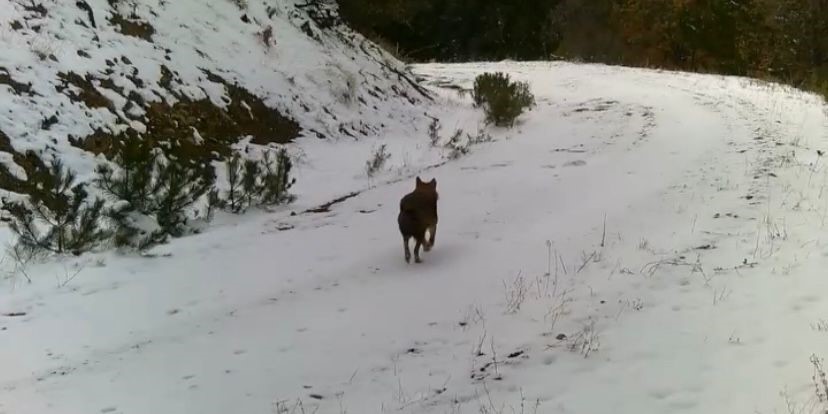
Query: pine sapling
(179, 186)
(276, 180)
(251, 182)
(234, 195)
(57, 217)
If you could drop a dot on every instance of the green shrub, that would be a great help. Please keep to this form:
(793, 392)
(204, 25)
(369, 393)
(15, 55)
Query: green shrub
(276, 179)
(154, 193)
(179, 185)
(154, 197)
(233, 199)
(501, 99)
(266, 182)
(57, 217)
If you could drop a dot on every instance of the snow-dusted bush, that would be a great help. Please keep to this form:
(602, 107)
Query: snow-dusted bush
(458, 146)
(58, 216)
(501, 99)
(377, 161)
(434, 132)
(250, 182)
(154, 193)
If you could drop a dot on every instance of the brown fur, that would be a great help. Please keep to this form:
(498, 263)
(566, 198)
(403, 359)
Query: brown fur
(418, 214)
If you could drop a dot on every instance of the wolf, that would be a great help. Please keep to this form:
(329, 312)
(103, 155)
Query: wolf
(418, 214)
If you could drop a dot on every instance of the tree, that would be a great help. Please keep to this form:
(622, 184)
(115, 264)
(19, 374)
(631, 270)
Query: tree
(58, 216)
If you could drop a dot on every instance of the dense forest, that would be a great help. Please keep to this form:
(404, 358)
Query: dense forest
(781, 40)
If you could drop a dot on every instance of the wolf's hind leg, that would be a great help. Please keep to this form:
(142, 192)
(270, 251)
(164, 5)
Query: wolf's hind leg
(406, 250)
(417, 250)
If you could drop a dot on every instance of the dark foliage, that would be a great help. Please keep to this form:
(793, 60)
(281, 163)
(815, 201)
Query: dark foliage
(780, 40)
(263, 183)
(58, 216)
(502, 99)
(452, 30)
(276, 179)
(154, 193)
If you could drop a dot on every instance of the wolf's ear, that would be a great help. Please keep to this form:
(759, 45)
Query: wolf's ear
(419, 181)
(433, 183)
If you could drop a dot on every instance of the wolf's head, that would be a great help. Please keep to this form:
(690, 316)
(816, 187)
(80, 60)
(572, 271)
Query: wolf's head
(428, 188)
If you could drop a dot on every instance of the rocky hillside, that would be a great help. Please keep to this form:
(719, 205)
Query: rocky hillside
(198, 78)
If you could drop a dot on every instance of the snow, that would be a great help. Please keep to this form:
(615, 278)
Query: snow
(339, 87)
(670, 226)
(642, 241)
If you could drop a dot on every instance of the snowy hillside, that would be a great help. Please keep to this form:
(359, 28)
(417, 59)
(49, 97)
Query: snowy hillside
(643, 242)
(76, 76)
